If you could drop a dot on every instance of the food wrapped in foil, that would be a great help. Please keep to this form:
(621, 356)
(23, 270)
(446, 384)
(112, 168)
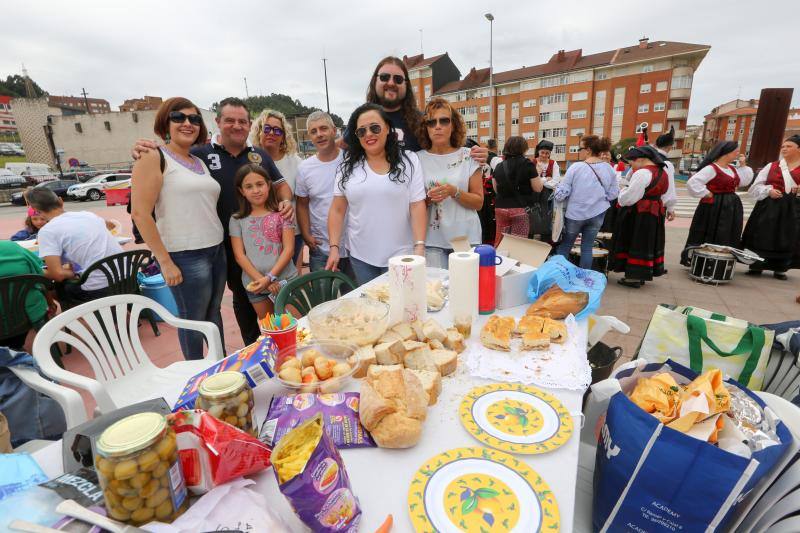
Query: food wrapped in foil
(758, 425)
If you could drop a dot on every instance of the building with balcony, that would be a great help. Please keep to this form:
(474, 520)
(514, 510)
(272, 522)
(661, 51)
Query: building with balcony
(608, 93)
(736, 121)
(7, 122)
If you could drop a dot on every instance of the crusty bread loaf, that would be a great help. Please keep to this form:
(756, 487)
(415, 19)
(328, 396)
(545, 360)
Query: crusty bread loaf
(393, 406)
(431, 382)
(555, 303)
(419, 358)
(390, 353)
(362, 359)
(445, 361)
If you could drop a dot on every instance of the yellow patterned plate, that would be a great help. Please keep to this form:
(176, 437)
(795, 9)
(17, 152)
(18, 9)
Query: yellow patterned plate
(516, 418)
(480, 490)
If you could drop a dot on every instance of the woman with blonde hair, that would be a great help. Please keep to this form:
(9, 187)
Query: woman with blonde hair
(272, 132)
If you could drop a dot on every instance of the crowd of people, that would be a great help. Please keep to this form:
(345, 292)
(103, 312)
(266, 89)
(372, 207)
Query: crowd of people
(240, 209)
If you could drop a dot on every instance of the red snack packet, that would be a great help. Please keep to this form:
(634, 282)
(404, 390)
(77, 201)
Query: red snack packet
(213, 452)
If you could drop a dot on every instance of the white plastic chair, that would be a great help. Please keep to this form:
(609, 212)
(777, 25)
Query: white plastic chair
(123, 371)
(69, 400)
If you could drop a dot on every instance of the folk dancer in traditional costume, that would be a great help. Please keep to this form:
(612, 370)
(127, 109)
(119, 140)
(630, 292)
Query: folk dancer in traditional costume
(773, 229)
(549, 171)
(719, 216)
(637, 246)
(664, 143)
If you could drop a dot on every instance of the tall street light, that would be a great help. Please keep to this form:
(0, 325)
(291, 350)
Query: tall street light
(490, 18)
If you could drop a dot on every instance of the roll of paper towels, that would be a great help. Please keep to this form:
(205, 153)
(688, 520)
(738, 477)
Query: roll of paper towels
(463, 290)
(408, 299)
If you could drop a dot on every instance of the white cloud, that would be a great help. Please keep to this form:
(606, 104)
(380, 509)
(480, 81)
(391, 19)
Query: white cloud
(203, 49)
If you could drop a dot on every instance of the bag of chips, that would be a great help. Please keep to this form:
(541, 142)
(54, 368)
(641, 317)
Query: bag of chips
(339, 414)
(311, 474)
(213, 452)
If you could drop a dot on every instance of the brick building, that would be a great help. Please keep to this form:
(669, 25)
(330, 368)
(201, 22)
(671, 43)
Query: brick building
(609, 93)
(79, 103)
(7, 123)
(736, 120)
(693, 142)
(141, 104)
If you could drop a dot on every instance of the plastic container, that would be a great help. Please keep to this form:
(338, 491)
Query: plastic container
(487, 260)
(358, 321)
(285, 339)
(339, 352)
(155, 288)
(228, 397)
(139, 471)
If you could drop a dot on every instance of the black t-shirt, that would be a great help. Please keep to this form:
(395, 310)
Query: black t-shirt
(223, 166)
(513, 177)
(409, 138)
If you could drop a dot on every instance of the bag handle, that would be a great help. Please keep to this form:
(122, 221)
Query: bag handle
(752, 342)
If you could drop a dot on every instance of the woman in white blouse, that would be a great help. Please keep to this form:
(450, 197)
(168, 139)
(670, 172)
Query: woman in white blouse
(719, 216)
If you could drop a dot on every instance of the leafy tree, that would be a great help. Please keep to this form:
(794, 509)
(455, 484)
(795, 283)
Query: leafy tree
(622, 146)
(283, 103)
(15, 86)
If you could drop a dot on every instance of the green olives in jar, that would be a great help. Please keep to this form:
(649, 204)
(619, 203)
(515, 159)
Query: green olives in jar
(139, 470)
(228, 397)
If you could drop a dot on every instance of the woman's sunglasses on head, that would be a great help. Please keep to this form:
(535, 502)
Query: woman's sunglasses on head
(443, 121)
(373, 128)
(275, 130)
(179, 118)
(396, 78)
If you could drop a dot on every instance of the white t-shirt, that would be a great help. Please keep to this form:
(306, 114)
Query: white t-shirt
(449, 219)
(315, 181)
(288, 165)
(378, 220)
(81, 239)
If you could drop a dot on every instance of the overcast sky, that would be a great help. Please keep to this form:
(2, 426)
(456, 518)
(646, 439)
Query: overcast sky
(202, 49)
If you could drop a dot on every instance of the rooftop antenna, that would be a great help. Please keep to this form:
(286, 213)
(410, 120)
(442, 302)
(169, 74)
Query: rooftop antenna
(420, 42)
(246, 91)
(325, 70)
(86, 100)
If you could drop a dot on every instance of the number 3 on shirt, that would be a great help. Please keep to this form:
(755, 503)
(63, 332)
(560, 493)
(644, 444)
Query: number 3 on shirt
(214, 163)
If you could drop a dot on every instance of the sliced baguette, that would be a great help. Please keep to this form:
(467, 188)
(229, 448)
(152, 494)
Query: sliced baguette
(445, 361)
(403, 329)
(431, 382)
(390, 353)
(416, 326)
(454, 341)
(390, 336)
(433, 331)
(362, 359)
(436, 345)
(419, 359)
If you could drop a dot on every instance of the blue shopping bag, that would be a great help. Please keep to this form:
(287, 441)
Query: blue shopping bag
(651, 478)
(559, 271)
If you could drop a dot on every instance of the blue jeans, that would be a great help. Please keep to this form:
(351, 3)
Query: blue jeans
(298, 247)
(364, 272)
(199, 296)
(588, 230)
(317, 259)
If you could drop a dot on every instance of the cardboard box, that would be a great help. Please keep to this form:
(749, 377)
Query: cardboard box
(520, 259)
(255, 362)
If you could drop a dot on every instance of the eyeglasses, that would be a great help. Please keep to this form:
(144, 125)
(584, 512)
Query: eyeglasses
(179, 118)
(275, 130)
(443, 121)
(373, 128)
(396, 78)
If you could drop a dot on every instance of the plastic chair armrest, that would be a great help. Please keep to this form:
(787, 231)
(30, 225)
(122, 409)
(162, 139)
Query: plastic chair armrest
(69, 400)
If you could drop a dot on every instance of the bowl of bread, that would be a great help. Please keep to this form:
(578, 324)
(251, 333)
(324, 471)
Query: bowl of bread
(322, 366)
(358, 321)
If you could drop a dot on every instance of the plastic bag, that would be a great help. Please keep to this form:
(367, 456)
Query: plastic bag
(213, 452)
(558, 271)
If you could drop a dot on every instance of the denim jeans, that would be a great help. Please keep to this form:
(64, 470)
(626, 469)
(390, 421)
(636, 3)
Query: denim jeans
(364, 272)
(588, 230)
(317, 259)
(199, 296)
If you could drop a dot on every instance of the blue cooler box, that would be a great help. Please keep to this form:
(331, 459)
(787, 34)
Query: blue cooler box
(155, 288)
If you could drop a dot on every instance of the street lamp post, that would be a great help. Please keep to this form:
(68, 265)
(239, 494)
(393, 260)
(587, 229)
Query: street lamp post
(490, 18)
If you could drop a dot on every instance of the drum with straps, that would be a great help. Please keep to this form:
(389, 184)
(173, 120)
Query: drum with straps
(711, 266)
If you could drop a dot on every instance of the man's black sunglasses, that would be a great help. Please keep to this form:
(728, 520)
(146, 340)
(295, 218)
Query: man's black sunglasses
(179, 118)
(397, 78)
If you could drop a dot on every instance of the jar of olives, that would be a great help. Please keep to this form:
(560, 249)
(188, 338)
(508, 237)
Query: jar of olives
(228, 397)
(139, 470)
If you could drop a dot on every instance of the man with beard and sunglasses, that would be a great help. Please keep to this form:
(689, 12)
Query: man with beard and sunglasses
(223, 157)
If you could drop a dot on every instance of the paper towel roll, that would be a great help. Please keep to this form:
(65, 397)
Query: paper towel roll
(463, 290)
(408, 299)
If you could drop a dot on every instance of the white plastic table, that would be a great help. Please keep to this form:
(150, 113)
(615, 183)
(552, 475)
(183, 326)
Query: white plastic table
(380, 478)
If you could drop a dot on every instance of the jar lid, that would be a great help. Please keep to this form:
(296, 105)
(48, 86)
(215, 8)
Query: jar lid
(222, 384)
(131, 434)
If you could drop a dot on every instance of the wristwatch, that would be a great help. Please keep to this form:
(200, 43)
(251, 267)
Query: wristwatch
(457, 194)
(271, 277)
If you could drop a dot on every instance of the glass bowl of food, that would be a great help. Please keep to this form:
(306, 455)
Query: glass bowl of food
(320, 366)
(358, 321)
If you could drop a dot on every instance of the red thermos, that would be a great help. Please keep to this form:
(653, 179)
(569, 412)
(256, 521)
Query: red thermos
(487, 260)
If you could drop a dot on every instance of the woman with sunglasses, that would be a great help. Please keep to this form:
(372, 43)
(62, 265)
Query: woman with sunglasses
(453, 180)
(380, 191)
(272, 132)
(186, 234)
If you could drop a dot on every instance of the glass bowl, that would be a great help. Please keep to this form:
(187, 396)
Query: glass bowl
(339, 352)
(359, 321)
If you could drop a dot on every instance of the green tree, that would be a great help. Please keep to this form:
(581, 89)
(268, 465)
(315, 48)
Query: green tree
(280, 102)
(15, 86)
(623, 145)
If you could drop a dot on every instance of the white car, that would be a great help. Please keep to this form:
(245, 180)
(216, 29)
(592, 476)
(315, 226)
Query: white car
(95, 188)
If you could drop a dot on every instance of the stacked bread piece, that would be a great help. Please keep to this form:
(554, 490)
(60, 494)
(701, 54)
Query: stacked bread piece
(537, 332)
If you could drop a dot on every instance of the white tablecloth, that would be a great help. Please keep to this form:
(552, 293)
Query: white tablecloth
(380, 478)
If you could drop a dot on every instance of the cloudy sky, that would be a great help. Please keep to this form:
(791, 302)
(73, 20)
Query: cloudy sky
(203, 49)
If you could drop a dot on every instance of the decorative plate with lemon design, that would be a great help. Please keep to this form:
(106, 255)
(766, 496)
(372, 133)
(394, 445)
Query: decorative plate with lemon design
(516, 418)
(482, 491)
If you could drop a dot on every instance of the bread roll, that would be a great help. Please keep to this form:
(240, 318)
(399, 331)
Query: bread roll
(393, 406)
(390, 353)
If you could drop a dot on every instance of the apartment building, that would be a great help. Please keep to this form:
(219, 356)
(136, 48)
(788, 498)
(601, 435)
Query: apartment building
(608, 93)
(693, 142)
(7, 122)
(79, 103)
(141, 104)
(736, 121)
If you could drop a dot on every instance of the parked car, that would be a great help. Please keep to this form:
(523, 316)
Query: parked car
(9, 180)
(94, 189)
(58, 186)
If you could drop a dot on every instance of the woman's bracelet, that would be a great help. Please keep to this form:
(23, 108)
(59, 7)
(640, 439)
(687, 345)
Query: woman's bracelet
(333, 246)
(419, 243)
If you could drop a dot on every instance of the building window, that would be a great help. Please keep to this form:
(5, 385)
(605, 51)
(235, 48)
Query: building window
(555, 81)
(741, 130)
(644, 108)
(107, 124)
(501, 109)
(647, 68)
(484, 138)
(78, 127)
(485, 124)
(427, 91)
(597, 130)
(553, 98)
(678, 104)
(661, 86)
(603, 75)
(514, 106)
(530, 85)
(619, 111)
(514, 121)
(578, 114)
(484, 109)
(501, 123)
(599, 115)
(619, 91)
(599, 95)
(656, 127)
(574, 149)
(577, 97)
(529, 119)
(578, 131)
(659, 106)
(529, 103)
(645, 88)
(472, 124)
(529, 135)
(682, 82)
(560, 148)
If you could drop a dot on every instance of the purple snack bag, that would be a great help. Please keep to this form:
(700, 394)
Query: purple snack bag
(320, 493)
(339, 415)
